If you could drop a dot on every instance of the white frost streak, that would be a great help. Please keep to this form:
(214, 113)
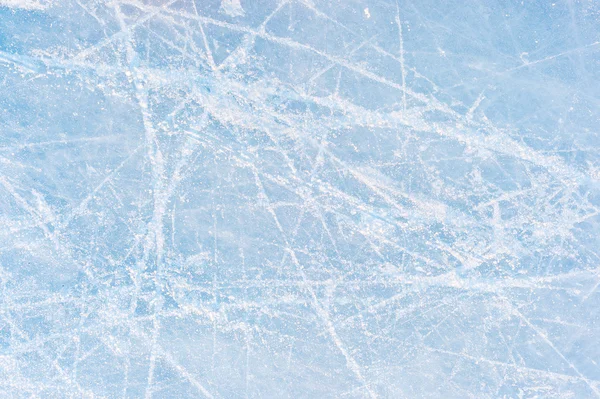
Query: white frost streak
(27, 4)
(402, 67)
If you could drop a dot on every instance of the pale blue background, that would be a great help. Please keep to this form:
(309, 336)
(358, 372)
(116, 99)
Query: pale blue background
(305, 199)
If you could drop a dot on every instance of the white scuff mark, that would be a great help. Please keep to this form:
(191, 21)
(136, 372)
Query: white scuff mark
(26, 4)
(232, 8)
(475, 105)
(402, 67)
(367, 13)
(594, 172)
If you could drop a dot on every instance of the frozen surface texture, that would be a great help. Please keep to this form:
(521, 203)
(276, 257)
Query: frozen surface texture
(299, 199)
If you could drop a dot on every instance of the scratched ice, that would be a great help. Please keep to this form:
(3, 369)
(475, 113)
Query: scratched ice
(299, 199)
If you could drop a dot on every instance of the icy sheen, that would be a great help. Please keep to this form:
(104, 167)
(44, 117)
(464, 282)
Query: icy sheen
(299, 199)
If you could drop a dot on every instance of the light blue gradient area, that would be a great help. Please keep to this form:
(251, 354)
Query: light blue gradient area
(299, 199)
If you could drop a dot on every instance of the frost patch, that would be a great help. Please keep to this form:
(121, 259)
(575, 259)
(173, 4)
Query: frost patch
(233, 8)
(26, 4)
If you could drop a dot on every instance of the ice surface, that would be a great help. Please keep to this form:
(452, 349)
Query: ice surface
(299, 199)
